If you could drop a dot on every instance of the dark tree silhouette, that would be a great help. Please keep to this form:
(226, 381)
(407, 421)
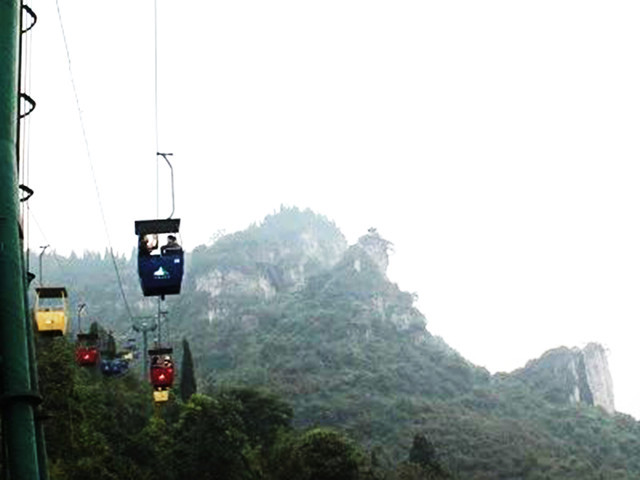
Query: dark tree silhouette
(187, 378)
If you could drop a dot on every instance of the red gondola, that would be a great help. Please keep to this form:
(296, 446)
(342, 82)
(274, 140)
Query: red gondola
(162, 373)
(162, 377)
(87, 354)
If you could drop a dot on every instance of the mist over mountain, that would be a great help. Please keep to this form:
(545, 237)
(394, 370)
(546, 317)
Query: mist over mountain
(289, 306)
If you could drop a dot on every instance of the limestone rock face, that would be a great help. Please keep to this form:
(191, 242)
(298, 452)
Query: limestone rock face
(598, 376)
(573, 375)
(256, 264)
(377, 248)
(216, 282)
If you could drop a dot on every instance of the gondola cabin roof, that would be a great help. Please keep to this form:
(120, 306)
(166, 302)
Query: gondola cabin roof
(146, 227)
(87, 337)
(161, 351)
(52, 292)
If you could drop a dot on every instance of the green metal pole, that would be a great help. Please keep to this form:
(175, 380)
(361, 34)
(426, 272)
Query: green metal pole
(17, 399)
(33, 370)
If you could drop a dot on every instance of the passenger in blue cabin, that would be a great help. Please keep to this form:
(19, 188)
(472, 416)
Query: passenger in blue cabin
(147, 245)
(172, 246)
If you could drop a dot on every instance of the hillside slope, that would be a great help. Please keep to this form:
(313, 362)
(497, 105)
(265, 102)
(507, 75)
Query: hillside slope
(288, 305)
(349, 349)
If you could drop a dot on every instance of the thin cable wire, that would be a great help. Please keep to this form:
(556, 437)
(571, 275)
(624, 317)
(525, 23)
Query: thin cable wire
(93, 174)
(155, 78)
(33, 217)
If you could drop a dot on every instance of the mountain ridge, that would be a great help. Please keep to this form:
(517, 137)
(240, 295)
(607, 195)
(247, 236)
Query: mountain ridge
(322, 326)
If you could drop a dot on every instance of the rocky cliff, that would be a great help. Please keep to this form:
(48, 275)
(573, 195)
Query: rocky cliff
(377, 248)
(575, 375)
(276, 256)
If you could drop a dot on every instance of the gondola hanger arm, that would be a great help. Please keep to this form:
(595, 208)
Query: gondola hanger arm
(173, 202)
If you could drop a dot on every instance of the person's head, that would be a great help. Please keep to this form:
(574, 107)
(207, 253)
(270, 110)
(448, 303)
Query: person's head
(172, 238)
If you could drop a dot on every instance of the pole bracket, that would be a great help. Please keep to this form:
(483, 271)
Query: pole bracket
(28, 192)
(30, 101)
(32, 14)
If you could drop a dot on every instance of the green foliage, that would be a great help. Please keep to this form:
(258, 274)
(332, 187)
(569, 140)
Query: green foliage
(318, 454)
(209, 440)
(89, 419)
(423, 453)
(263, 414)
(187, 374)
(284, 307)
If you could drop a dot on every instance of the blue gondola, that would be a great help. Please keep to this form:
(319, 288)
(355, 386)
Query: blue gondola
(113, 367)
(160, 268)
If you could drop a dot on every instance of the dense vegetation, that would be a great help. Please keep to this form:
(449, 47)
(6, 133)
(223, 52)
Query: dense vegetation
(107, 428)
(353, 374)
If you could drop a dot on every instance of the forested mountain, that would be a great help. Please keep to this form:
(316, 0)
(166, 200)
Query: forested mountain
(287, 307)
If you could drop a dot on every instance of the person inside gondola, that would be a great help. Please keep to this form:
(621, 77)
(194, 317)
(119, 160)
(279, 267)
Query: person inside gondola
(147, 245)
(172, 246)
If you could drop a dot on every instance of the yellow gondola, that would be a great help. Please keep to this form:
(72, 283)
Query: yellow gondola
(51, 310)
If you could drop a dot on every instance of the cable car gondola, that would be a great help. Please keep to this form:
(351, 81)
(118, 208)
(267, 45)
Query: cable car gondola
(87, 353)
(160, 268)
(114, 367)
(112, 364)
(162, 373)
(51, 310)
(131, 349)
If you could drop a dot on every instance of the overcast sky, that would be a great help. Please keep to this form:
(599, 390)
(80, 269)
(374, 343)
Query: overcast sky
(495, 143)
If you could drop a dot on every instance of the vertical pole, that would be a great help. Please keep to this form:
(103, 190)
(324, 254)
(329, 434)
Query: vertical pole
(18, 399)
(159, 323)
(81, 307)
(33, 369)
(145, 345)
(145, 328)
(43, 247)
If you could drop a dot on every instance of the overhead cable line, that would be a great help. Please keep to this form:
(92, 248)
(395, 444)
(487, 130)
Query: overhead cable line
(155, 79)
(161, 312)
(93, 174)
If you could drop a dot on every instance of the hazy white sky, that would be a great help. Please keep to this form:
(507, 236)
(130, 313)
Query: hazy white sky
(494, 143)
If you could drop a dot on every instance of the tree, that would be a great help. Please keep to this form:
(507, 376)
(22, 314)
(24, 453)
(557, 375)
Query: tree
(263, 414)
(209, 441)
(187, 377)
(423, 453)
(318, 454)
